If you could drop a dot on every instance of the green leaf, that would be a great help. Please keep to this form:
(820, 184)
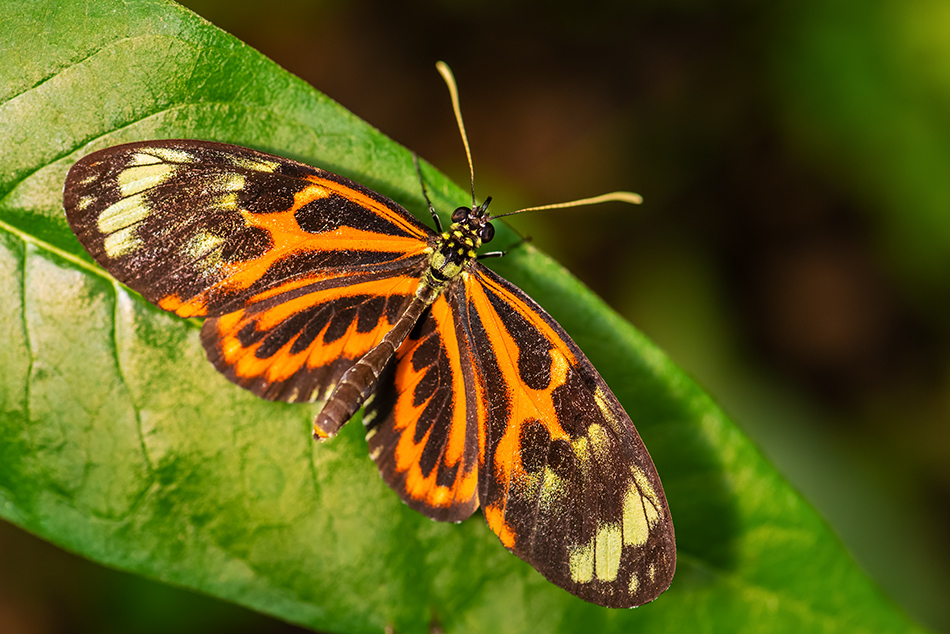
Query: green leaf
(119, 441)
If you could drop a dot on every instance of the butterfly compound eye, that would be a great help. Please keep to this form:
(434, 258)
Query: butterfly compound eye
(460, 213)
(487, 232)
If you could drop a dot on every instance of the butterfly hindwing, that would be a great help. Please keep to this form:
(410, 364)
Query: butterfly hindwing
(425, 423)
(294, 341)
(566, 482)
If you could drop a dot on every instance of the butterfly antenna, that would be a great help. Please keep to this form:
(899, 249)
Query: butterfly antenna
(446, 73)
(624, 197)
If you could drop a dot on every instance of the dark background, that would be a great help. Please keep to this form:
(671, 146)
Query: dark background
(791, 254)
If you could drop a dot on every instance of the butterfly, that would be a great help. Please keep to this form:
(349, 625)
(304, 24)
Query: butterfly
(315, 288)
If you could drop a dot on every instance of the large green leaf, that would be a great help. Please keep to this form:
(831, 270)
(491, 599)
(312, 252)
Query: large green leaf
(119, 441)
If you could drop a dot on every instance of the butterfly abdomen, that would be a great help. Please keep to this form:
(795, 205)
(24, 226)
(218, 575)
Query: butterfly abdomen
(359, 382)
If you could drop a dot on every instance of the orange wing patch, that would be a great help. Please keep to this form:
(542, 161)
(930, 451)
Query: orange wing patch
(293, 343)
(426, 421)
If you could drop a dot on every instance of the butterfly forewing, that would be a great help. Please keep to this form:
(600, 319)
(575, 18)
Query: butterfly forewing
(199, 228)
(566, 483)
(301, 271)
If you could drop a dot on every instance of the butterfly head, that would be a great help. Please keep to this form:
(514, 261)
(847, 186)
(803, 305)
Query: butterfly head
(473, 223)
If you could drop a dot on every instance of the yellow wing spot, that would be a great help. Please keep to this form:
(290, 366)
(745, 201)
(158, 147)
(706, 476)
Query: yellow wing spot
(201, 243)
(230, 182)
(552, 488)
(134, 180)
(141, 158)
(255, 165)
(85, 202)
(125, 213)
(636, 530)
(169, 154)
(634, 583)
(646, 489)
(227, 202)
(559, 366)
(581, 448)
(90, 179)
(309, 194)
(651, 572)
(599, 442)
(600, 398)
(581, 563)
(600, 557)
(608, 546)
(121, 242)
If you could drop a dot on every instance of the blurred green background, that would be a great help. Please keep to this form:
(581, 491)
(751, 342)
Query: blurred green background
(792, 252)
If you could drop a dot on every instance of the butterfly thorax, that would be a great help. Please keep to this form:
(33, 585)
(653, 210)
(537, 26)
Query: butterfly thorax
(456, 248)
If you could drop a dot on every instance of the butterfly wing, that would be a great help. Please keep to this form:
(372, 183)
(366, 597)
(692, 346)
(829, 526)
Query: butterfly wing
(301, 271)
(489, 401)
(425, 422)
(565, 482)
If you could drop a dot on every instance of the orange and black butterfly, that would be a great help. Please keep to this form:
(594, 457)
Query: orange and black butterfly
(315, 288)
